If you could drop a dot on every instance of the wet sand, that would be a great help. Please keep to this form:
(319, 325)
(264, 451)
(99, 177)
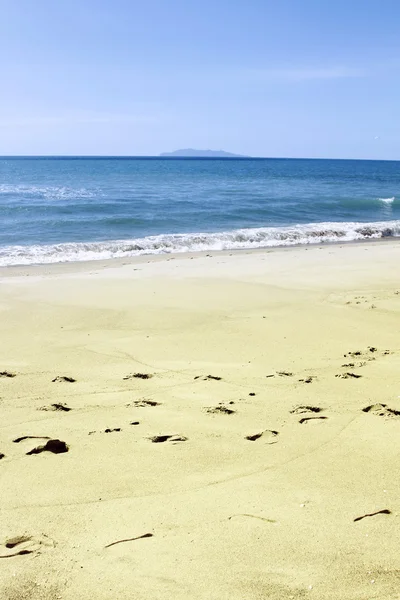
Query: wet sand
(208, 427)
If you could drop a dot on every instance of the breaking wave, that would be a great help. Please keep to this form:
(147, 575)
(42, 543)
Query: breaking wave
(263, 237)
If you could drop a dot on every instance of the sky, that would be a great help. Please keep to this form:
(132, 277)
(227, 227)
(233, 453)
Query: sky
(287, 78)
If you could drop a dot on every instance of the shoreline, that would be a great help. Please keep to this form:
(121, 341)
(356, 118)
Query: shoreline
(87, 265)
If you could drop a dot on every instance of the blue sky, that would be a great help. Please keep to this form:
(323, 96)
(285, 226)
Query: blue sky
(295, 78)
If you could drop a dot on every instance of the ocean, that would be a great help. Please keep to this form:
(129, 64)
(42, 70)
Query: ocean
(56, 209)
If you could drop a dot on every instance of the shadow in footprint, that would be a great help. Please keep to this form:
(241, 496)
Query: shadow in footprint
(53, 446)
(160, 439)
(56, 406)
(381, 410)
(25, 544)
(6, 374)
(305, 409)
(307, 419)
(348, 375)
(220, 409)
(30, 437)
(145, 402)
(139, 376)
(63, 378)
(268, 436)
(108, 430)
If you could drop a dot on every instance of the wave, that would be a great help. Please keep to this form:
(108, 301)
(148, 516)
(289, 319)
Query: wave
(45, 192)
(387, 200)
(263, 237)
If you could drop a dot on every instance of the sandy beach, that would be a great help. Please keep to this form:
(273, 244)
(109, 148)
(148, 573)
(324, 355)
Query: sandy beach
(228, 427)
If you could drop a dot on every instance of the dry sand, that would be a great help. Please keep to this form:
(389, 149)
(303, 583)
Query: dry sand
(207, 514)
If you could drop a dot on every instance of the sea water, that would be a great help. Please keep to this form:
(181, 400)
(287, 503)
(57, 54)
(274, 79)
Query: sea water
(73, 209)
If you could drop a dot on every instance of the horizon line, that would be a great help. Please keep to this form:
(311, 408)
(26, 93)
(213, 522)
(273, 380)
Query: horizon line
(161, 157)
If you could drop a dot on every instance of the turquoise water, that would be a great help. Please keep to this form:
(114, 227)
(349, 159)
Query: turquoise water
(67, 209)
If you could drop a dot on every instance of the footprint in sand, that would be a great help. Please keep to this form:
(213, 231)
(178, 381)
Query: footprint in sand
(160, 439)
(268, 436)
(30, 437)
(53, 446)
(25, 544)
(298, 410)
(348, 375)
(308, 379)
(381, 410)
(64, 378)
(145, 402)
(308, 419)
(113, 429)
(6, 374)
(108, 430)
(139, 376)
(220, 409)
(56, 406)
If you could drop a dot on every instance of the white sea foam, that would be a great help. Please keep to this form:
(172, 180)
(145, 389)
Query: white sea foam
(387, 200)
(263, 237)
(45, 192)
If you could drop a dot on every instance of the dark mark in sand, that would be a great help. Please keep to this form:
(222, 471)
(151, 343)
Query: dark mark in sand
(305, 409)
(306, 419)
(139, 376)
(6, 374)
(385, 511)
(348, 375)
(160, 439)
(139, 537)
(252, 517)
(56, 406)
(382, 410)
(63, 378)
(53, 446)
(220, 409)
(26, 544)
(268, 433)
(145, 402)
(30, 437)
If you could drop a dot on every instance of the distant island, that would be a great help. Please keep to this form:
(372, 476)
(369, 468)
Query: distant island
(190, 152)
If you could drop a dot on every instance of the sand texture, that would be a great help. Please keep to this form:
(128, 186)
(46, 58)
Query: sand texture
(220, 427)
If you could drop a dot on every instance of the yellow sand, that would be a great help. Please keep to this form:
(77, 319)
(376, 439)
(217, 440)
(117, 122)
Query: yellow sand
(230, 518)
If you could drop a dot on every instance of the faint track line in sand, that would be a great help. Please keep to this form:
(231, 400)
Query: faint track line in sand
(193, 490)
